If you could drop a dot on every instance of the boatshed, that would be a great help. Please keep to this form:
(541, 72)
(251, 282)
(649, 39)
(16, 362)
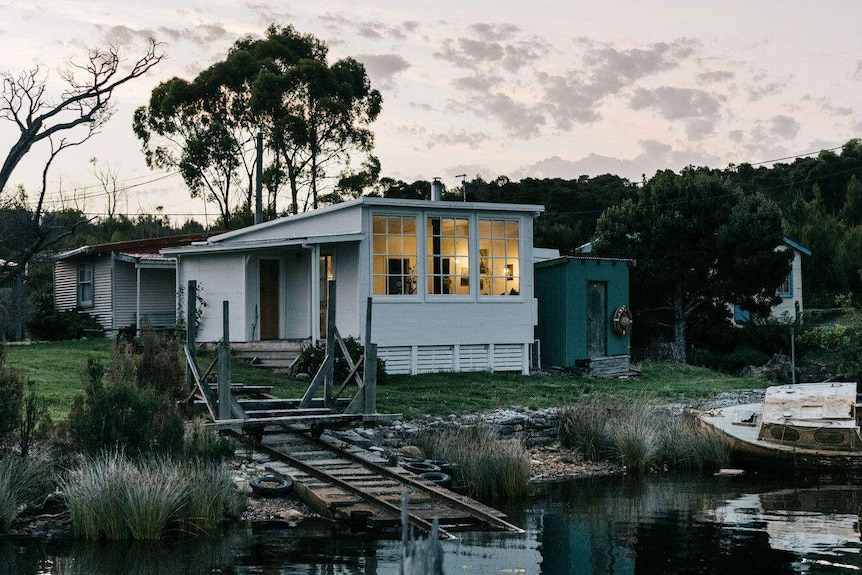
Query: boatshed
(584, 320)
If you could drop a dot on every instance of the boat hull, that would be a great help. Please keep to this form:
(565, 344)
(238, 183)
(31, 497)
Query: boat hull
(749, 451)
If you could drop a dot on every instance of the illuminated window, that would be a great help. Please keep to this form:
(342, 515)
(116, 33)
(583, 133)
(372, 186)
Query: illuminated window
(85, 284)
(499, 260)
(448, 256)
(394, 255)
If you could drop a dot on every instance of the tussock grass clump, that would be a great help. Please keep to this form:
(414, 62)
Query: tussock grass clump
(686, 446)
(584, 428)
(114, 497)
(490, 468)
(22, 481)
(634, 439)
(640, 437)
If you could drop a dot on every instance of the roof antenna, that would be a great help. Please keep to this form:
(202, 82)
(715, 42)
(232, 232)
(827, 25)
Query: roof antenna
(463, 185)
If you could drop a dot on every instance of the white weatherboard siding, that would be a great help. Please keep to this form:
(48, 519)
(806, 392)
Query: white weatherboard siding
(65, 285)
(102, 292)
(221, 278)
(158, 294)
(348, 307)
(295, 301)
(126, 285)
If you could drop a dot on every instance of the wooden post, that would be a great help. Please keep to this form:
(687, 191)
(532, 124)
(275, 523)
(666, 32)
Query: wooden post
(369, 388)
(224, 365)
(191, 328)
(330, 343)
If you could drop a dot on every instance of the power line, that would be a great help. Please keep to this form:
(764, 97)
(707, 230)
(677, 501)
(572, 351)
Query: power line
(796, 156)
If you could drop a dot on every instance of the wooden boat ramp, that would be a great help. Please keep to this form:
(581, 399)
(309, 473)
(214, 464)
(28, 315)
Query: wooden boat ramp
(365, 489)
(335, 478)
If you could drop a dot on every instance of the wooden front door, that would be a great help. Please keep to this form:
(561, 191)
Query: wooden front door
(597, 319)
(327, 273)
(269, 296)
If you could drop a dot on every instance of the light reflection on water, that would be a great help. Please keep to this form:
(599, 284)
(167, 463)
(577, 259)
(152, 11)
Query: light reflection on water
(611, 526)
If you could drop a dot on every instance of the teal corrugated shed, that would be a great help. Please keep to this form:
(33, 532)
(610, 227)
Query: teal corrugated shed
(566, 288)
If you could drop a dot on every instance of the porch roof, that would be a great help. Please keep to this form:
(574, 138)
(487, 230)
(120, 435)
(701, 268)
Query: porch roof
(249, 245)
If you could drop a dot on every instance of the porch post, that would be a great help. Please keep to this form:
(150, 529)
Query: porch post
(330, 342)
(314, 312)
(224, 365)
(138, 303)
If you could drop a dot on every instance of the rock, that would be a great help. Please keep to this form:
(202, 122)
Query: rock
(412, 451)
(303, 376)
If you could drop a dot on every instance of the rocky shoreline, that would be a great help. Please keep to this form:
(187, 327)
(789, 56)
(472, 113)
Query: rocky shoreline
(537, 428)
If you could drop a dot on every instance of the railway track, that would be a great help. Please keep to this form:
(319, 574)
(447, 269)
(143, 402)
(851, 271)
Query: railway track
(361, 486)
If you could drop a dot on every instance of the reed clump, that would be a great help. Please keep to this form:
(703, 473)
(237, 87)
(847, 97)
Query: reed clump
(23, 480)
(112, 496)
(489, 467)
(640, 437)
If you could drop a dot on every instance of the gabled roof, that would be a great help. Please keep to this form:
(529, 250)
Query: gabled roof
(136, 248)
(798, 247)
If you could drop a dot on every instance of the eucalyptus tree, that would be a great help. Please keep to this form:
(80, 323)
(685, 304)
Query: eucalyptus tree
(697, 240)
(313, 116)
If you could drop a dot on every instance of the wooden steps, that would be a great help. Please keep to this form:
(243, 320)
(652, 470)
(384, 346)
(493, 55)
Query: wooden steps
(276, 354)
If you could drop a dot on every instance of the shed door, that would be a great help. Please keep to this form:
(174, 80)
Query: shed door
(597, 319)
(269, 299)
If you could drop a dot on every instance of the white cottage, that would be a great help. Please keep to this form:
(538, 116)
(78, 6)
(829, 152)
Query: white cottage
(790, 292)
(451, 282)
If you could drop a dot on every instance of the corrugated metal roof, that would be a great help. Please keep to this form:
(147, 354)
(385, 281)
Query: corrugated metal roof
(144, 246)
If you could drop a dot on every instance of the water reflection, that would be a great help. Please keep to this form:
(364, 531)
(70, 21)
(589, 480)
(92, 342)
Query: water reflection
(614, 526)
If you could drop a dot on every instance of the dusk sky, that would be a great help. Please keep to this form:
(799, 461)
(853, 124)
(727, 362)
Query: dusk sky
(526, 89)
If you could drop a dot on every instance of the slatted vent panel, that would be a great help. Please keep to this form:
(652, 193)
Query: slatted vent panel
(508, 357)
(433, 358)
(473, 357)
(397, 359)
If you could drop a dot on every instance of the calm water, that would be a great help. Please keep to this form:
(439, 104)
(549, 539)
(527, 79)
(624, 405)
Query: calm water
(608, 526)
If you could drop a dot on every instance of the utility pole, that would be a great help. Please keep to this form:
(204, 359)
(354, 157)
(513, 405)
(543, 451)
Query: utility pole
(258, 192)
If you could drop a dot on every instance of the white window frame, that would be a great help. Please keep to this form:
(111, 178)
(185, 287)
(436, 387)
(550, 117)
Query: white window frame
(472, 258)
(521, 269)
(420, 267)
(80, 270)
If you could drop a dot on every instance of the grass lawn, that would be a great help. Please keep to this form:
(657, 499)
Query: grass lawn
(57, 368)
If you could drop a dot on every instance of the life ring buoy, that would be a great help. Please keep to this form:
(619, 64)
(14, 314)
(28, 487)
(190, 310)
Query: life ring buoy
(271, 486)
(623, 321)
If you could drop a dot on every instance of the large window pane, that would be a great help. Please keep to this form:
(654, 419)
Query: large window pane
(499, 258)
(448, 256)
(394, 259)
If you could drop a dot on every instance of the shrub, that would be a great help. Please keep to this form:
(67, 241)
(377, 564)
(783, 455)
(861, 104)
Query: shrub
(203, 444)
(844, 339)
(115, 413)
(159, 366)
(490, 468)
(11, 396)
(312, 357)
(22, 481)
(743, 356)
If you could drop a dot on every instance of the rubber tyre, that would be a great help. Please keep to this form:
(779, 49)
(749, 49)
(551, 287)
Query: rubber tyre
(437, 478)
(271, 486)
(420, 467)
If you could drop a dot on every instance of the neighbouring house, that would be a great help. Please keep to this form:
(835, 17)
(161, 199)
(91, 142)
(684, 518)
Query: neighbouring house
(790, 292)
(451, 283)
(584, 317)
(121, 282)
